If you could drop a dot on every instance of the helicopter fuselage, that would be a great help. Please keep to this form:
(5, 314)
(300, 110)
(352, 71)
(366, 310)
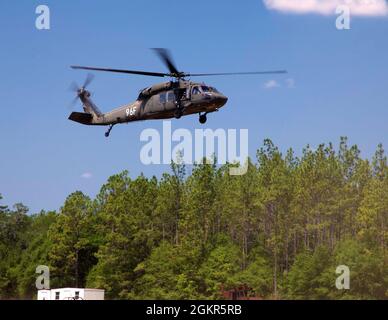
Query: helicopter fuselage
(161, 101)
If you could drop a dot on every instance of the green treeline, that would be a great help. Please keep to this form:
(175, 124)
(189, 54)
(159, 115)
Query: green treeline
(281, 229)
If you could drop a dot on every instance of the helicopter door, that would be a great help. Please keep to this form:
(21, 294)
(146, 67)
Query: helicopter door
(170, 101)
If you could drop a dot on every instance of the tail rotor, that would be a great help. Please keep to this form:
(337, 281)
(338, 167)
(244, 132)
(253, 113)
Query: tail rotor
(81, 91)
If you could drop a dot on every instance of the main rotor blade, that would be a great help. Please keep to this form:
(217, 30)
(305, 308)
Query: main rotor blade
(73, 87)
(165, 56)
(144, 73)
(235, 73)
(88, 80)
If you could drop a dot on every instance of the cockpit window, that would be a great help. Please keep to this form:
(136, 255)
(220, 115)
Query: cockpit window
(196, 90)
(208, 89)
(204, 89)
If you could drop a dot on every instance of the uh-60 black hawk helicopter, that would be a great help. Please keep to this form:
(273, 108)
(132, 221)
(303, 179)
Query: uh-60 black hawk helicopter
(176, 98)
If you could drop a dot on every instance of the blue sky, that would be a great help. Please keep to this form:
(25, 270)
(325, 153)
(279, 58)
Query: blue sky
(340, 83)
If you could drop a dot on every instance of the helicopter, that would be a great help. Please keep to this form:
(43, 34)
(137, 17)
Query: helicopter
(173, 99)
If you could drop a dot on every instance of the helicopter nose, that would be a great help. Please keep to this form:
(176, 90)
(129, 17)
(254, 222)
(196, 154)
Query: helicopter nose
(222, 100)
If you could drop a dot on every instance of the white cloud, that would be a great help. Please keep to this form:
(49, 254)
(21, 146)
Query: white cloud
(86, 175)
(271, 84)
(328, 7)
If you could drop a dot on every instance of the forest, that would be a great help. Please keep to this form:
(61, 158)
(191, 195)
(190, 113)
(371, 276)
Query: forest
(281, 230)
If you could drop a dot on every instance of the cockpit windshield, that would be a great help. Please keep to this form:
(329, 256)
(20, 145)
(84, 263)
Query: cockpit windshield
(196, 90)
(203, 89)
(208, 89)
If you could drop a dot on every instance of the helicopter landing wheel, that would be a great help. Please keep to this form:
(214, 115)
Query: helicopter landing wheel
(178, 114)
(202, 118)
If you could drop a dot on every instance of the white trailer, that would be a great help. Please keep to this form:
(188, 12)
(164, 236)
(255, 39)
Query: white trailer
(71, 294)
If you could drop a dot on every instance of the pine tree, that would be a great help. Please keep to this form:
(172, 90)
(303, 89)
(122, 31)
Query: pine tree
(274, 194)
(126, 209)
(71, 254)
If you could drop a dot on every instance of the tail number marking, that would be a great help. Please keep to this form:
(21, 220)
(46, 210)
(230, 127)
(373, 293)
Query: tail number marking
(130, 111)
